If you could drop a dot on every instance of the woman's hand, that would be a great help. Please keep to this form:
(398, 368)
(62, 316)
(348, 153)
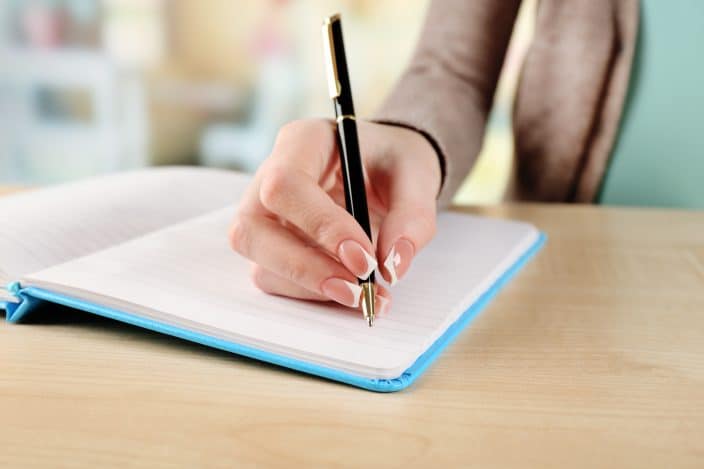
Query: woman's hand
(293, 225)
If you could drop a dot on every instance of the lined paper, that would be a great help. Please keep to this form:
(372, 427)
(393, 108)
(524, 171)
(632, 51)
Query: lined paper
(187, 276)
(46, 227)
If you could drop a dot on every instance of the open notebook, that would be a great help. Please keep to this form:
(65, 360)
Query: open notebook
(150, 248)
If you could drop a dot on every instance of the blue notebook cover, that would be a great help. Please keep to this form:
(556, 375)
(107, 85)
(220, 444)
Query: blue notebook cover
(29, 298)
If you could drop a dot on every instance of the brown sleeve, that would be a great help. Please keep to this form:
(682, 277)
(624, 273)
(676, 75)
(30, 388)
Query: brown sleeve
(447, 90)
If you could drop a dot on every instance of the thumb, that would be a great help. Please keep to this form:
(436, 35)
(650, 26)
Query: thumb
(408, 226)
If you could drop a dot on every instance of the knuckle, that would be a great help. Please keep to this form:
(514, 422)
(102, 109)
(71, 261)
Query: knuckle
(258, 277)
(304, 129)
(428, 220)
(289, 129)
(322, 229)
(297, 129)
(273, 185)
(294, 270)
(239, 235)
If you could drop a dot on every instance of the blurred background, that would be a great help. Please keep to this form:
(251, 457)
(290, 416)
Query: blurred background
(93, 86)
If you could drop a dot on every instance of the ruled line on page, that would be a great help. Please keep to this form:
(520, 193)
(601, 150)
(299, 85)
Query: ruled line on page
(45, 227)
(188, 271)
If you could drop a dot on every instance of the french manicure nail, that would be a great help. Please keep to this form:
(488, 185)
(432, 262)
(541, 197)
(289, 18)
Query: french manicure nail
(356, 258)
(399, 258)
(342, 291)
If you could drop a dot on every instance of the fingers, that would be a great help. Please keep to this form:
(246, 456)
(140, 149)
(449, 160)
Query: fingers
(273, 284)
(290, 205)
(285, 210)
(267, 243)
(269, 282)
(403, 233)
(296, 197)
(287, 186)
(408, 226)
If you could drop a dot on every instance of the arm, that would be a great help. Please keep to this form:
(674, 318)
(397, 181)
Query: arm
(292, 223)
(447, 90)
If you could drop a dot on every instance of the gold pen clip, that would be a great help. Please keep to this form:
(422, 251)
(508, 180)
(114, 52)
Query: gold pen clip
(329, 53)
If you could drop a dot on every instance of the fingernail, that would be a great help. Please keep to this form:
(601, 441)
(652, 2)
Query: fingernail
(356, 259)
(383, 305)
(342, 291)
(399, 259)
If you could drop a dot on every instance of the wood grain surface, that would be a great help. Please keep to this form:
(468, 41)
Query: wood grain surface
(592, 357)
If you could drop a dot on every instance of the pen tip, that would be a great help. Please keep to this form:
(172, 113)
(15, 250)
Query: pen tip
(368, 302)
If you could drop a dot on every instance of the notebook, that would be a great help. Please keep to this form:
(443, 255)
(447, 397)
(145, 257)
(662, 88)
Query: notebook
(150, 248)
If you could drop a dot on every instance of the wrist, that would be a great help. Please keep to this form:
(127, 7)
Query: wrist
(423, 147)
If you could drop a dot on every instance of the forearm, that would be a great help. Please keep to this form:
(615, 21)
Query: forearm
(447, 90)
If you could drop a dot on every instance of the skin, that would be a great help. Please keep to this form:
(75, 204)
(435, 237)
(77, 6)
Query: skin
(292, 219)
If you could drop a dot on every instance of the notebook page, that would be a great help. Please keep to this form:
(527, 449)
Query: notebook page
(45, 227)
(4, 294)
(187, 276)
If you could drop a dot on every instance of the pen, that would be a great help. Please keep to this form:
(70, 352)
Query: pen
(347, 143)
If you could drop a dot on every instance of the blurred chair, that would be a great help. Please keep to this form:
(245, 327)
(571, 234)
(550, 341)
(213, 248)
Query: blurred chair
(658, 159)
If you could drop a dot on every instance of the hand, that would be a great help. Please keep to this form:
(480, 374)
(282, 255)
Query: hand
(293, 225)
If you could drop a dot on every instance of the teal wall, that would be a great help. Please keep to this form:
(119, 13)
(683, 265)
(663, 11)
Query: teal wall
(658, 159)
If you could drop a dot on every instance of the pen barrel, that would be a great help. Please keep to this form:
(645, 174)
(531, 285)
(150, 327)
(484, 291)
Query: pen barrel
(340, 90)
(353, 174)
(343, 104)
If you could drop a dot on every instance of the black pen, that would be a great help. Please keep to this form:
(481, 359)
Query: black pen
(348, 143)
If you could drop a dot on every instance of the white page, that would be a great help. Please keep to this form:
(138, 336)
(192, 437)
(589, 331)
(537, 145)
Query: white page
(45, 227)
(188, 276)
(5, 296)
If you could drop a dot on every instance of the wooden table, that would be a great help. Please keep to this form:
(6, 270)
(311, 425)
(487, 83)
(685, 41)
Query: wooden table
(592, 357)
